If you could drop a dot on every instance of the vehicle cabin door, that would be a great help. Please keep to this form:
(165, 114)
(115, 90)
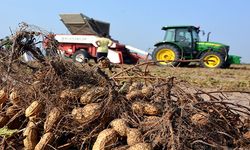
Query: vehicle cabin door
(184, 39)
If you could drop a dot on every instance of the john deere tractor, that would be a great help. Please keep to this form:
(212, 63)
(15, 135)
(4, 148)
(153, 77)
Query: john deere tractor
(182, 43)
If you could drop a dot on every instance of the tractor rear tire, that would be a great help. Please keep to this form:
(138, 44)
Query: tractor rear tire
(80, 56)
(166, 53)
(212, 60)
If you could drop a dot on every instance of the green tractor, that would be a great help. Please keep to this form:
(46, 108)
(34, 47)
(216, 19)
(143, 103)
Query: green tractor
(182, 44)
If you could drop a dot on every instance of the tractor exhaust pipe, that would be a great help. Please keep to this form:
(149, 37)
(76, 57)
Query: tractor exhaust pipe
(208, 35)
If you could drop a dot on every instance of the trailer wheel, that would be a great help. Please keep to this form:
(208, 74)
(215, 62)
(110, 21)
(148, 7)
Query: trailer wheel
(166, 53)
(80, 56)
(212, 60)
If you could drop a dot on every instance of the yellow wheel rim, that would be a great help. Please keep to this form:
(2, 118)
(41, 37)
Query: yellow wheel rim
(212, 61)
(165, 55)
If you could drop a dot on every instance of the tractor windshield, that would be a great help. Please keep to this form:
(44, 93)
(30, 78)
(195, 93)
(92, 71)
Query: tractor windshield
(170, 35)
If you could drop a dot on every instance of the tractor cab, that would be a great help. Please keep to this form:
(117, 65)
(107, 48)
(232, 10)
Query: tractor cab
(183, 36)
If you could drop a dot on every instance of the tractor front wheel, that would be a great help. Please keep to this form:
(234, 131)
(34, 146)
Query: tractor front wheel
(212, 60)
(166, 55)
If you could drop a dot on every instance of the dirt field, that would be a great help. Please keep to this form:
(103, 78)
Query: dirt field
(236, 78)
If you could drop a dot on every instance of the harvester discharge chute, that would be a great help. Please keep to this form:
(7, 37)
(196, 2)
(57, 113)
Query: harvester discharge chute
(79, 24)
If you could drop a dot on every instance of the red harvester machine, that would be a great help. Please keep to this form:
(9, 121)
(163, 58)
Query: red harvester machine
(80, 45)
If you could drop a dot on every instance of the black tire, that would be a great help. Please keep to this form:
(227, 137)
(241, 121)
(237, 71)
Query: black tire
(80, 56)
(227, 64)
(212, 60)
(161, 52)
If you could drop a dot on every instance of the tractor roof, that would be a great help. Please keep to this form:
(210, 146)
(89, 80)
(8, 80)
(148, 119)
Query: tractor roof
(183, 26)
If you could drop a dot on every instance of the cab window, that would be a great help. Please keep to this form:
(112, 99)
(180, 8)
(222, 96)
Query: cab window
(183, 35)
(195, 36)
(169, 35)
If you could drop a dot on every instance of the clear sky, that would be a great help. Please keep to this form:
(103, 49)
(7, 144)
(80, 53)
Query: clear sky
(138, 22)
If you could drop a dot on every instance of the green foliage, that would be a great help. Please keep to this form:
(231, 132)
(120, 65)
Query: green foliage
(5, 132)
